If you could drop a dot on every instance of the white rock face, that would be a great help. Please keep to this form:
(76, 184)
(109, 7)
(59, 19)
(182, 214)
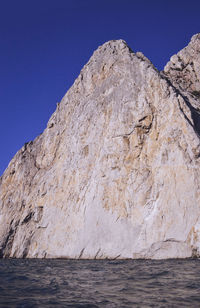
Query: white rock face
(116, 172)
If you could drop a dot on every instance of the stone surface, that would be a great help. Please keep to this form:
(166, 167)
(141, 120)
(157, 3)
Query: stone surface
(116, 172)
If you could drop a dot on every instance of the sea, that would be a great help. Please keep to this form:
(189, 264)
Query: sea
(99, 283)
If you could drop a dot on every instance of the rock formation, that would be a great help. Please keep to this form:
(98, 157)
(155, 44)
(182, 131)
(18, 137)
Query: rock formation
(116, 173)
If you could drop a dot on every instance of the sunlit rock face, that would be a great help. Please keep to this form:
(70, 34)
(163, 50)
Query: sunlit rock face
(116, 172)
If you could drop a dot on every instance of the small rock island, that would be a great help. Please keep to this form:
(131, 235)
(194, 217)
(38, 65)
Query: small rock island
(116, 172)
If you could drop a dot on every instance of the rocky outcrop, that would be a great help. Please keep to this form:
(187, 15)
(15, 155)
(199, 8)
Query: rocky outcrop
(116, 172)
(183, 70)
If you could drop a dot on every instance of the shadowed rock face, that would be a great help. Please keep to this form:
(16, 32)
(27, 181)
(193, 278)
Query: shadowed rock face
(183, 70)
(116, 172)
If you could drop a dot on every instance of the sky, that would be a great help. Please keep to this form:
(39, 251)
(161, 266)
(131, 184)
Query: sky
(45, 43)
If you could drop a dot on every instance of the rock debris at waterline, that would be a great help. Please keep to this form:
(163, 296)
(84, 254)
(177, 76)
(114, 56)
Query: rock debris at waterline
(116, 172)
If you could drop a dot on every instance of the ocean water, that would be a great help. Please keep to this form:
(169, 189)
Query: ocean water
(99, 283)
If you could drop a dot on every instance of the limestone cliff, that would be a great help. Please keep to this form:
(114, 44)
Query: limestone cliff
(116, 172)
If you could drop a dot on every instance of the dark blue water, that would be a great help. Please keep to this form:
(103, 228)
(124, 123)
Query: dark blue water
(96, 283)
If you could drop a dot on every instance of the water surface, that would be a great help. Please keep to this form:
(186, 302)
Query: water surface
(99, 283)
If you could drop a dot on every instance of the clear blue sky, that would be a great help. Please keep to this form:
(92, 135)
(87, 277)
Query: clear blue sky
(44, 44)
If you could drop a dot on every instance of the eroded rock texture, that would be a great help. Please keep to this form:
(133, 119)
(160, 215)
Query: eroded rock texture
(116, 172)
